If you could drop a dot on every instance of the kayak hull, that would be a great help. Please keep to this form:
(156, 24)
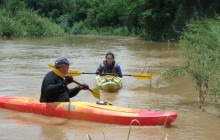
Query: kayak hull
(109, 83)
(88, 111)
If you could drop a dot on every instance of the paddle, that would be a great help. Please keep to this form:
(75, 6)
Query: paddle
(95, 91)
(141, 76)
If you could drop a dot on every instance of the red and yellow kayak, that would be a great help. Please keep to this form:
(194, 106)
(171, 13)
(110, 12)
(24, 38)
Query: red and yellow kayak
(88, 111)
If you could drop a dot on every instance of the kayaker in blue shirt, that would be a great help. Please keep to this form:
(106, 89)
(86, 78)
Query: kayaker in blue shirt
(54, 88)
(109, 66)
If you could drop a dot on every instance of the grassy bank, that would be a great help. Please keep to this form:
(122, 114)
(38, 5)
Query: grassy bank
(200, 45)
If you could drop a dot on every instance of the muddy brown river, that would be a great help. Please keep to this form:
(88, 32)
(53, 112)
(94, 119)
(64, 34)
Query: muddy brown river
(24, 63)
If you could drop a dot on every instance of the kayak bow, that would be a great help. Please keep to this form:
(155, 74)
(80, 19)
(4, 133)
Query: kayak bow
(109, 83)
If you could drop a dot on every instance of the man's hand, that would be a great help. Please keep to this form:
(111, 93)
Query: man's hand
(83, 87)
(68, 80)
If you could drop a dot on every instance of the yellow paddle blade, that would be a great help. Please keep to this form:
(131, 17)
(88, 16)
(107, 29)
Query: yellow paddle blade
(73, 72)
(142, 76)
(70, 71)
(53, 68)
(95, 93)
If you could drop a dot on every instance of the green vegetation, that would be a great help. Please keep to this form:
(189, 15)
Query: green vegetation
(200, 45)
(159, 20)
(17, 21)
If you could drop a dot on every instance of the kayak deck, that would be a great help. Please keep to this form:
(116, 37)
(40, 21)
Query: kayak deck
(88, 111)
(109, 83)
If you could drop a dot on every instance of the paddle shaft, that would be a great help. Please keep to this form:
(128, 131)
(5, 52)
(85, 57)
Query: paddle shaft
(80, 84)
(126, 75)
(114, 74)
(142, 76)
(98, 73)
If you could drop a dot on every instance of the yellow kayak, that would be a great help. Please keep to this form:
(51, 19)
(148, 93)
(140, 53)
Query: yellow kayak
(109, 83)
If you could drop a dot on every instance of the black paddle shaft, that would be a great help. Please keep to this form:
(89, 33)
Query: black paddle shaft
(80, 84)
(99, 73)
(114, 74)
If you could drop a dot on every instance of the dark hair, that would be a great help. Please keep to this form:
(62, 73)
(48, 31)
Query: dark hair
(110, 53)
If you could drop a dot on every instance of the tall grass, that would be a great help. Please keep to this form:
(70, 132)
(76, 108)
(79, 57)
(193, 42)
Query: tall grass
(200, 45)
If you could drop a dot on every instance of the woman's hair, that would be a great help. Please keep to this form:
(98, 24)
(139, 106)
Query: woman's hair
(110, 53)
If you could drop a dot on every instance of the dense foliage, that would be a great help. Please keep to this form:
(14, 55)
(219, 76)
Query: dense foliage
(200, 46)
(17, 21)
(150, 19)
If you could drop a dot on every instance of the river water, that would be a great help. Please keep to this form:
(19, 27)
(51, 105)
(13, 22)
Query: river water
(24, 63)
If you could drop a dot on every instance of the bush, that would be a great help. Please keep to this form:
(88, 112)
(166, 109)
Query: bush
(200, 45)
(23, 22)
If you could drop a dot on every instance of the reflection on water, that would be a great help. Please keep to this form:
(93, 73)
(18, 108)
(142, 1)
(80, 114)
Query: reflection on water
(24, 63)
(109, 96)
